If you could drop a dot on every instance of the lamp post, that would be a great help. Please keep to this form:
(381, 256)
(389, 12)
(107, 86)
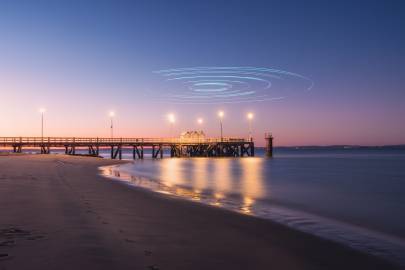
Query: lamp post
(172, 120)
(42, 111)
(250, 119)
(111, 114)
(221, 115)
(200, 121)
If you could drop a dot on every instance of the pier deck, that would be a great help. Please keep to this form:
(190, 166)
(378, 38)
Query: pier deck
(179, 147)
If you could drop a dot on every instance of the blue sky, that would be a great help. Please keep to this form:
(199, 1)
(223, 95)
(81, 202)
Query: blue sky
(80, 59)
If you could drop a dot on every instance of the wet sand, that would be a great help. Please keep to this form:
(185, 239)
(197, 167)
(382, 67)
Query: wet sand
(56, 212)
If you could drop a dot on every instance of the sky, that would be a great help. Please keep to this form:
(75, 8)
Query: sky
(81, 59)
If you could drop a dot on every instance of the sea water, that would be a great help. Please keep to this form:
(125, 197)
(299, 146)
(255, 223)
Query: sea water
(352, 196)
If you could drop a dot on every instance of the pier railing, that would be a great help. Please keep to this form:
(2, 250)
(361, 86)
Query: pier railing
(96, 140)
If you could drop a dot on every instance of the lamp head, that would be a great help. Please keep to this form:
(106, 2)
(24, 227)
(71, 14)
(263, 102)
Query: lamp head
(171, 118)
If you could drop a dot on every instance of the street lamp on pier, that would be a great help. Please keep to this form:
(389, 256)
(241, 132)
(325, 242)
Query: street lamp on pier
(42, 111)
(250, 119)
(221, 116)
(172, 119)
(111, 114)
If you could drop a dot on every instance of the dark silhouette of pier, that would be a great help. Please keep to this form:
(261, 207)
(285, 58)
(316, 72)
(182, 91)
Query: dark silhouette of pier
(178, 147)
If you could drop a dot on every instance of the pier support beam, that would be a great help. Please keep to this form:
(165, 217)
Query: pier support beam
(157, 150)
(175, 150)
(161, 151)
(70, 150)
(93, 150)
(248, 150)
(17, 148)
(137, 152)
(45, 149)
(116, 151)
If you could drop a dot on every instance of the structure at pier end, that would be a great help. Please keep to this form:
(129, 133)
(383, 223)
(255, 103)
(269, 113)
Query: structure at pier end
(269, 144)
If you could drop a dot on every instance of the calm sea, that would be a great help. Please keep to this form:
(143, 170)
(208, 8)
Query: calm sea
(355, 197)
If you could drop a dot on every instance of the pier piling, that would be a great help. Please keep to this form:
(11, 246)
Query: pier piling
(269, 144)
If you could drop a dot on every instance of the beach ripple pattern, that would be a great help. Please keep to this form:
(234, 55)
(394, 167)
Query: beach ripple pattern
(215, 85)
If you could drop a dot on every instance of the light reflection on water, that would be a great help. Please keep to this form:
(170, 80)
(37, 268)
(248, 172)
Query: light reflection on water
(355, 199)
(230, 183)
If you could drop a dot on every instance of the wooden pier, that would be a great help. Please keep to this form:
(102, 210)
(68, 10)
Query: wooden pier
(178, 147)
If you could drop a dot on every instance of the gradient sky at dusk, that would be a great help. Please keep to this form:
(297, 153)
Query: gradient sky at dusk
(79, 59)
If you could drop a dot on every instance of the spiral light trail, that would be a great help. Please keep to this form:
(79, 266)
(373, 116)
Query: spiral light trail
(213, 85)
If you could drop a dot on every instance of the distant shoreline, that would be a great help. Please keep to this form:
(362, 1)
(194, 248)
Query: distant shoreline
(340, 147)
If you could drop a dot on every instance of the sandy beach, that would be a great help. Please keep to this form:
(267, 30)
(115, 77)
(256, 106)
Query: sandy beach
(58, 213)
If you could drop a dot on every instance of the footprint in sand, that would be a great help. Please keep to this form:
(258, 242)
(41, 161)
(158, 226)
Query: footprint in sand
(9, 235)
(4, 256)
(129, 240)
(37, 237)
(7, 243)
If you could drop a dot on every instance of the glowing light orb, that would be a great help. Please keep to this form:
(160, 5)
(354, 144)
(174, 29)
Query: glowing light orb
(171, 118)
(218, 85)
